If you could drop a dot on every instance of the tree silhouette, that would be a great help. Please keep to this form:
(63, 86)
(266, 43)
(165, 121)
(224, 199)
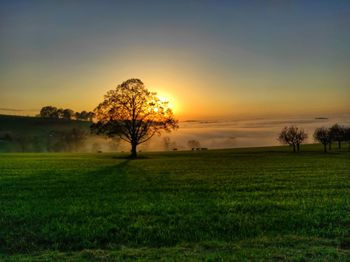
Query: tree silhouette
(59, 113)
(90, 116)
(337, 133)
(84, 116)
(292, 136)
(347, 135)
(49, 112)
(133, 113)
(193, 144)
(323, 136)
(167, 143)
(68, 114)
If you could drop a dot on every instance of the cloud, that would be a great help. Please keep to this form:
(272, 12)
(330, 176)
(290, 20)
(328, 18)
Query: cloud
(17, 110)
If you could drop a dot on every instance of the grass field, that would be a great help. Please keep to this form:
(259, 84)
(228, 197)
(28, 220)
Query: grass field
(239, 204)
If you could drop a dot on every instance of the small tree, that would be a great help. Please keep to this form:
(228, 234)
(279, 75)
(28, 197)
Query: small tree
(323, 136)
(90, 116)
(77, 116)
(134, 114)
(49, 112)
(337, 133)
(68, 114)
(167, 143)
(84, 115)
(74, 139)
(292, 136)
(192, 144)
(347, 135)
(59, 113)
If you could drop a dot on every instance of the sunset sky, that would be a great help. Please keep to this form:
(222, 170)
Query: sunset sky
(210, 58)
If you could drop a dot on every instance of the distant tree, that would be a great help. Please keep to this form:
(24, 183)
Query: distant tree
(49, 112)
(96, 147)
(192, 144)
(90, 116)
(347, 135)
(6, 137)
(337, 133)
(134, 114)
(74, 139)
(67, 114)
(23, 142)
(77, 115)
(174, 146)
(65, 141)
(292, 136)
(323, 136)
(84, 115)
(167, 143)
(60, 113)
(113, 144)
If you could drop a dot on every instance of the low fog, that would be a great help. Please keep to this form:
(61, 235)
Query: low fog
(233, 134)
(209, 134)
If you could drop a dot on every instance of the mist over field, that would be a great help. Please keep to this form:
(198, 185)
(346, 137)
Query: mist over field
(241, 133)
(53, 136)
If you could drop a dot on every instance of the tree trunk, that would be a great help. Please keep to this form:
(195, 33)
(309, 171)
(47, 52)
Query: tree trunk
(330, 145)
(133, 150)
(293, 147)
(339, 144)
(325, 147)
(298, 147)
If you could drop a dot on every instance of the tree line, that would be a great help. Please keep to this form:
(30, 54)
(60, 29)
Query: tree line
(52, 112)
(295, 136)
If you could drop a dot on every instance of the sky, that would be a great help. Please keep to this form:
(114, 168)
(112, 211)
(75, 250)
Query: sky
(211, 59)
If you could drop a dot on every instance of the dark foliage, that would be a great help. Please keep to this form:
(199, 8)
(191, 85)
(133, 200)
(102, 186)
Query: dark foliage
(133, 113)
(51, 112)
(323, 135)
(337, 133)
(292, 136)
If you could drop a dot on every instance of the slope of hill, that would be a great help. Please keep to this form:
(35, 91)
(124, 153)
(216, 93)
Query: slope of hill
(36, 125)
(22, 133)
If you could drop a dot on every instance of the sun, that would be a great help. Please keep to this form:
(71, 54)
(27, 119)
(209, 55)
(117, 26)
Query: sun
(171, 102)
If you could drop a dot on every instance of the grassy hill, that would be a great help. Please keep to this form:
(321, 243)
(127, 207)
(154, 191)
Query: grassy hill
(218, 205)
(31, 133)
(37, 125)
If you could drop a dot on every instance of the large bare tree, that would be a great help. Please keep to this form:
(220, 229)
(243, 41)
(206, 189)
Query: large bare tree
(134, 114)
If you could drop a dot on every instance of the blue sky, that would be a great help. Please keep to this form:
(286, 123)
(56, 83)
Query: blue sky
(230, 58)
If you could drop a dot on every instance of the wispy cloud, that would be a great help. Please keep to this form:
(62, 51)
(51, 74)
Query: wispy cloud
(17, 110)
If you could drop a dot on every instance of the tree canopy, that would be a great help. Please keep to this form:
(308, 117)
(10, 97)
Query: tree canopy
(323, 135)
(133, 113)
(51, 112)
(292, 136)
(337, 133)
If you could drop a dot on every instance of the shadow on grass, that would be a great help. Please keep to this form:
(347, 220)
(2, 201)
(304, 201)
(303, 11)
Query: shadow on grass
(128, 157)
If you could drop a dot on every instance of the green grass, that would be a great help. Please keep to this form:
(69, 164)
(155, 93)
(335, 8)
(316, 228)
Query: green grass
(240, 204)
